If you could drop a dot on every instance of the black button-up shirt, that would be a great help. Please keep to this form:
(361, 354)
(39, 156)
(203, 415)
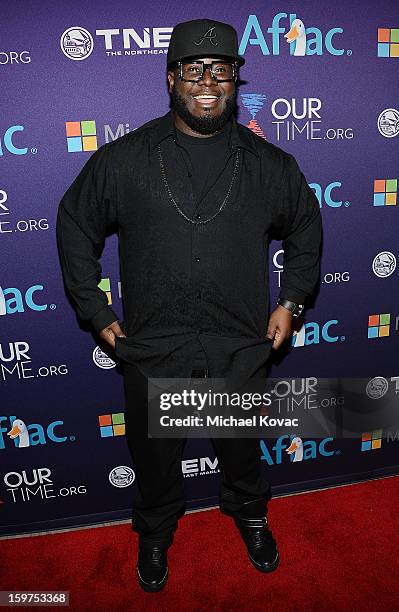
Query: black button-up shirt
(184, 281)
(205, 157)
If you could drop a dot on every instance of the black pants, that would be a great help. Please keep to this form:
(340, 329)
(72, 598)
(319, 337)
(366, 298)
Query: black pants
(160, 494)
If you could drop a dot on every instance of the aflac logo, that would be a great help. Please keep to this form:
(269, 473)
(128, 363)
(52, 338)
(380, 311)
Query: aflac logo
(313, 333)
(29, 435)
(10, 145)
(326, 195)
(302, 40)
(296, 449)
(17, 300)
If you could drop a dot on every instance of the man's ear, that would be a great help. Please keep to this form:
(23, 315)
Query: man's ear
(171, 80)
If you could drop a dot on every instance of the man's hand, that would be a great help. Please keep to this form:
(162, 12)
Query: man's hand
(279, 327)
(108, 333)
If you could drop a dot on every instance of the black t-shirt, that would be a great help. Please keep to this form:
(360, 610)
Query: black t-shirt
(206, 156)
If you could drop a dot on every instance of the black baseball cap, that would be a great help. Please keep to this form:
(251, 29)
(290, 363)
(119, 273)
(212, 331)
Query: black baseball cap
(203, 38)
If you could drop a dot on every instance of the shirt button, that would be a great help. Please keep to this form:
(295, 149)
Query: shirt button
(198, 216)
(197, 259)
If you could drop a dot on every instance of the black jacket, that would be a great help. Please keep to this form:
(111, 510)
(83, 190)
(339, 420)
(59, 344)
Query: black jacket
(182, 280)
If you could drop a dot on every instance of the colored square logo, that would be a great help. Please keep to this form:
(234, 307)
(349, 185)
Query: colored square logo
(112, 424)
(89, 143)
(371, 440)
(74, 144)
(81, 136)
(104, 419)
(378, 325)
(105, 285)
(72, 128)
(383, 35)
(379, 199)
(372, 332)
(374, 320)
(88, 128)
(388, 42)
(385, 192)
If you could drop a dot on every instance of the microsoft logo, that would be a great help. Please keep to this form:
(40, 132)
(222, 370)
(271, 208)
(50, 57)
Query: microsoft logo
(388, 42)
(81, 136)
(371, 440)
(378, 325)
(112, 424)
(105, 285)
(385, 192)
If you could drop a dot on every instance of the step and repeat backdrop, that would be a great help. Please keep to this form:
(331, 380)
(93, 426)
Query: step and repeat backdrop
(321, 82)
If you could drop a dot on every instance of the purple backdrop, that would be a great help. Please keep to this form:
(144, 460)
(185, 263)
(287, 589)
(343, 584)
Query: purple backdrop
(76, 76)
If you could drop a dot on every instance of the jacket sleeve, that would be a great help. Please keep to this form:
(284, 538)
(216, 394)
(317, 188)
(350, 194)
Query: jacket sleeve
(85, 211)
(297, 222)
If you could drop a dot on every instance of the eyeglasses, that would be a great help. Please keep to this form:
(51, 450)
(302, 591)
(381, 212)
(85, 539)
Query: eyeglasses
(220, 71)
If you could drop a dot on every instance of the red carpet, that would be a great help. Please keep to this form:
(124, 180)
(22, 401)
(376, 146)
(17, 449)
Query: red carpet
(338, 549)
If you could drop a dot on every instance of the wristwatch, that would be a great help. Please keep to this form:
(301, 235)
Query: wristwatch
(294, 308)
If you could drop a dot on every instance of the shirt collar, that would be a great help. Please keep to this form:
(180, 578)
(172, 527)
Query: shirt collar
(238, 137)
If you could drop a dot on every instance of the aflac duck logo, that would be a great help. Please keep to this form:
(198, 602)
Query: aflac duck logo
(297, 33)
(25, 436)
(19, 430)
(303, 41)
(296, 449)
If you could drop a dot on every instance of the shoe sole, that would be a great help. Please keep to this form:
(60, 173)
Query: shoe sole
(273, 566)
(147, 587)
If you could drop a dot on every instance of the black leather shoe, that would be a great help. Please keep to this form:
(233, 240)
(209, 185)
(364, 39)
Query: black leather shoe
(261, 545)
(152, 564)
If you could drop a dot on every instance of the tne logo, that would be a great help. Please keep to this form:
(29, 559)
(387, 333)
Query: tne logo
(296, 449)
(313, 333)
(302, 40)
(29, 435)
(12, 300)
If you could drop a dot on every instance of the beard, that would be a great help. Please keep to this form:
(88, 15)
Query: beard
(207, 123)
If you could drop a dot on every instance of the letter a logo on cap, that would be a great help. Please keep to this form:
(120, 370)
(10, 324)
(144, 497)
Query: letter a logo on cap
(210, 35)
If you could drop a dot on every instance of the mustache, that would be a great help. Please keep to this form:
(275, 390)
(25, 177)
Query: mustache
(207, 123)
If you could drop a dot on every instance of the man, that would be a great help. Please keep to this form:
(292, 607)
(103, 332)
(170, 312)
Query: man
(196, 197)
